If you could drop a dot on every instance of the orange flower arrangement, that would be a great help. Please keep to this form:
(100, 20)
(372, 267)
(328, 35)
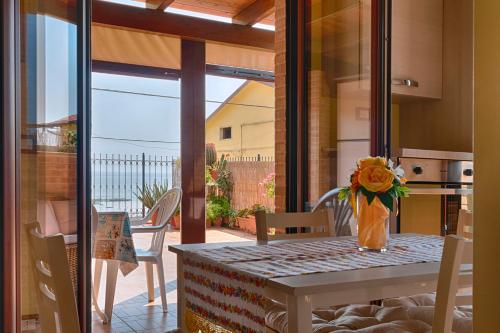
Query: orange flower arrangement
(375, 184)
(376, 177)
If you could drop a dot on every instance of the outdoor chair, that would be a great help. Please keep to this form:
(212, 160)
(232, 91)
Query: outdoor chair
(54, 290)
(340, 212)
(164, 209)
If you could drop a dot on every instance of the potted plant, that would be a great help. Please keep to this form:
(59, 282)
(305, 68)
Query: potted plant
(218, 208)
(245, 219)
(149, 196)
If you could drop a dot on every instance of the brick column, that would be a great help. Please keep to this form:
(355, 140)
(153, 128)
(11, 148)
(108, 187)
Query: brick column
(280, 104)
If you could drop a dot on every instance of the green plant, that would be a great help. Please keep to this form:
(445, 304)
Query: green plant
(150, 195)
(217, 206)
(221, 176)
(210, 154)
(69, 141)
(269, 185)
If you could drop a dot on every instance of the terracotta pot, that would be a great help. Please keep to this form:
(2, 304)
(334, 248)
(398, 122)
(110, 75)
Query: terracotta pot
(176, 222)
(216, 223)
(247, 224)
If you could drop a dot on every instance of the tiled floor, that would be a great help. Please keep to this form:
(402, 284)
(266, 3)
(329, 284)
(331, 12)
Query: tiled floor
(132, 312)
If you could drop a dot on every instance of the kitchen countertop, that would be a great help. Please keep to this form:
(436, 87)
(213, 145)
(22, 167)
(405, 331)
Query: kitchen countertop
(435, 154)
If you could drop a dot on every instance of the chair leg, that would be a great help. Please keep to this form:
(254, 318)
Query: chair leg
(161, 282)
(97, 276)
(150, 281)
(111, 276)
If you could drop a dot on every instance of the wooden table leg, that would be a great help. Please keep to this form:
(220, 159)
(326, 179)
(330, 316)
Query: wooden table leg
(181, 304)
(111, 276)
(299, 314)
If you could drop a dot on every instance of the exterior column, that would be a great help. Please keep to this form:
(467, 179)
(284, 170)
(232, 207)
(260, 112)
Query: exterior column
(193, 141)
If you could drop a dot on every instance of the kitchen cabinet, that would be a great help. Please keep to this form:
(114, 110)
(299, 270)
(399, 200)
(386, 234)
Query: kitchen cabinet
(417, 48)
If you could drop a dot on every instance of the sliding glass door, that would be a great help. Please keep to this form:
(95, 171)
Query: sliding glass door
(338, 69)
(50, 150)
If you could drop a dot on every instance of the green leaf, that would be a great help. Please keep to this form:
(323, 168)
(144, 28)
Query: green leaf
(369, 195)
(387, 199)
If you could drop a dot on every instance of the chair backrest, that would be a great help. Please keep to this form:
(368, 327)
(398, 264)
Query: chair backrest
(166, 207)
(455, 272)
(465, 226)
(309, 225)
(56, 300)
(340, 212)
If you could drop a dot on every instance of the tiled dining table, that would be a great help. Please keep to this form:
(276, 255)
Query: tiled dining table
(112, 243)
(227, 284)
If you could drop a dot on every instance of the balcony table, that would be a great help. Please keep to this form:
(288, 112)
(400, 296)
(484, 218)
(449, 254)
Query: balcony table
(112, 243)
(302, 293)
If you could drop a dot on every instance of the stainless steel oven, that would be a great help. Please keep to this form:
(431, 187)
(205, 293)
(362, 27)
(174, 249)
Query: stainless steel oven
(441, 184)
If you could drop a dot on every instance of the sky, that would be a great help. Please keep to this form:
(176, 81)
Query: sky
(144, 109)
(123, 107)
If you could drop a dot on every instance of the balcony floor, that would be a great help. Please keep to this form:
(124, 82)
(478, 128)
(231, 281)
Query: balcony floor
(132, 312)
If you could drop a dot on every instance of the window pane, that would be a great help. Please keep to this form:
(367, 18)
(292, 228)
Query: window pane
(48, 164)
(338, 91)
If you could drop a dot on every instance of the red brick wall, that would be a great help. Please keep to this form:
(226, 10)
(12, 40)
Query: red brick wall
(57, 175)
(280, 105)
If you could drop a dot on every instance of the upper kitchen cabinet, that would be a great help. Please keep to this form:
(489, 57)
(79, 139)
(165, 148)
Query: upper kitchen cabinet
(417, 48)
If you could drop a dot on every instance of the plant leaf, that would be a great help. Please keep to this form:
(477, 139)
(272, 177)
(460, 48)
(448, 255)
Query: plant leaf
(369, 195)
(387, 199)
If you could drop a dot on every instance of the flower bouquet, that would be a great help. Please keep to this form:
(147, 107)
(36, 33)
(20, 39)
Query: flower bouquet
(375, 188)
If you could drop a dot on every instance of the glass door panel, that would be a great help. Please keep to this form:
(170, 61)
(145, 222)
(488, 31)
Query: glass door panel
(338, 90)
(48, 138)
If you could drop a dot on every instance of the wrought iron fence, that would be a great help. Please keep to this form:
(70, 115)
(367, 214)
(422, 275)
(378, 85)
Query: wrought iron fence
(117, 179)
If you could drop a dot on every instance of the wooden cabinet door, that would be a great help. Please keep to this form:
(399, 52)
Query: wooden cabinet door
(417, 47)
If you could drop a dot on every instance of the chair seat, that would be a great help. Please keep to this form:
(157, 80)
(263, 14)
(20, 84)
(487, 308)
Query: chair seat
(369, 319)
(146, 255)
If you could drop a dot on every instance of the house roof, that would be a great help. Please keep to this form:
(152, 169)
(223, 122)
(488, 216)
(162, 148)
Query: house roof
(230, 98)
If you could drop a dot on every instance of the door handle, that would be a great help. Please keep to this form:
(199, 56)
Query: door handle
(405, 82)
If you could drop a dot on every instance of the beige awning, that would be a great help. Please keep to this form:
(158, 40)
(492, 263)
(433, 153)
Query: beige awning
(137, 47)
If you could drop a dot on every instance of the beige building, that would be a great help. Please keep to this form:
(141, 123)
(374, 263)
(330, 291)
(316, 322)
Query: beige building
(243, 126)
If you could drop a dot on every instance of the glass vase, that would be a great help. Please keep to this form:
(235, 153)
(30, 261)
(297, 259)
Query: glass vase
(372, 224)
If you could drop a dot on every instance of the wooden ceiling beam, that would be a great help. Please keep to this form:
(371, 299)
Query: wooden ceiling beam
(255, 12)
(179, 25)
(158, 4)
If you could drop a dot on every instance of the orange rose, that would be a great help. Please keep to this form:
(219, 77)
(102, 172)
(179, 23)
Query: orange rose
(372, 161)
(376, 178)
(355, 181)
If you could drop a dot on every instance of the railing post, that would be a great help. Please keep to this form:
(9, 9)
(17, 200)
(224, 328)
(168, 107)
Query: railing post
(143, 181)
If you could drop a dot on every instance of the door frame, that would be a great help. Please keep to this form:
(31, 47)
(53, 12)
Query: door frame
(9, 292)
(297, 141)
(10, 314)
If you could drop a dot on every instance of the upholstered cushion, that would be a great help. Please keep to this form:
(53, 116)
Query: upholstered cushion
(371, 319)
(47, 218)
(65, 212)
(353, 318)
(421, 307)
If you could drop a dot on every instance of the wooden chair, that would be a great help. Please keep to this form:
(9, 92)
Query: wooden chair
(455, 273)
(465, 224)
(54, 291)
(309, 225)
(340, 211)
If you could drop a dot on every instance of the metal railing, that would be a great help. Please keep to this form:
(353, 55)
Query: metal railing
(118, 178)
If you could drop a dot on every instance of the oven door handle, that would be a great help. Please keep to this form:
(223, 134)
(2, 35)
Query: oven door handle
(440, 191)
